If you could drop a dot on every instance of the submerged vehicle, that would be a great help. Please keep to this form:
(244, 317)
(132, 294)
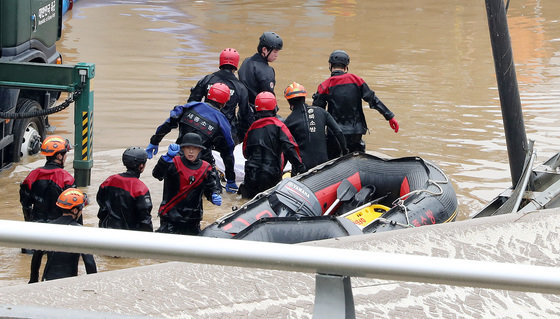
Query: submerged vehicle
(29, 30)
(537, 188)
(355, 194)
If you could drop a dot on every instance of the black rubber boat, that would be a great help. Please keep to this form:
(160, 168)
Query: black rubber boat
(355, 194)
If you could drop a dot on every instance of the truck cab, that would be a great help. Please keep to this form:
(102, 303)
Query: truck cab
(29, 30)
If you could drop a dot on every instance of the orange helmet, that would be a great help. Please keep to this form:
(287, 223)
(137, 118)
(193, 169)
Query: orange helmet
(72, 197)
(265, 101)
(219, 92)
(54, 144)
(294, 90)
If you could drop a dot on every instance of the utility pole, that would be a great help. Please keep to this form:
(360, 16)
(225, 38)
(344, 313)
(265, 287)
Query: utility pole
(510, 101)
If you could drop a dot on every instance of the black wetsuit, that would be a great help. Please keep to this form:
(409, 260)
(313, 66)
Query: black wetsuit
(343, 94)
(237, 103)
(60, 264)
(184, 183)
(124, 203)
(308, 125)
(267, 142)
(40, 190)
(257, 76)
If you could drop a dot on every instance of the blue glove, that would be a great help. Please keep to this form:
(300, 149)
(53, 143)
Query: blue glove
(172, 150)
(231, 187)
(151, 150)
(216, 199)
(176, 112)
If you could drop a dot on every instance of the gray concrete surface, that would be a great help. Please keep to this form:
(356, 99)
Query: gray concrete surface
(185, 290)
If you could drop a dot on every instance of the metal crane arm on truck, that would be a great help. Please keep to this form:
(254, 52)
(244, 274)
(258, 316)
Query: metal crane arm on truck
(63, 78)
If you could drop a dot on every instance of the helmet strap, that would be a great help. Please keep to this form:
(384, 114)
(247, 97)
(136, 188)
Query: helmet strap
(75, 212)
(268, 50)
(58, 158)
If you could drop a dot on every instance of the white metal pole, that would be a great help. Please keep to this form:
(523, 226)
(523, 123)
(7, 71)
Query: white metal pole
(299, 258)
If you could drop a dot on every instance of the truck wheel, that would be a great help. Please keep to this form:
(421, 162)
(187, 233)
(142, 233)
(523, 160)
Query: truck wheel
(29, 132)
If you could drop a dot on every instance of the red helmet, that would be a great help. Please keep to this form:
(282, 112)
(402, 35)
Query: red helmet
(229, 56)
(218, 92)
(265, 101)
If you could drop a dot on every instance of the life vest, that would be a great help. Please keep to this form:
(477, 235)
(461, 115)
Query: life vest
(189, 180)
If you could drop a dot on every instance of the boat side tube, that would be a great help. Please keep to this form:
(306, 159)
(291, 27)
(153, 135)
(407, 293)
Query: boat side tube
(430, 200)
(291, 230)
(288, 198)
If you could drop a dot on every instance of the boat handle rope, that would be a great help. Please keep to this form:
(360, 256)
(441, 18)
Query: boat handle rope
(393, 222)
(222, 219)
(400, 201)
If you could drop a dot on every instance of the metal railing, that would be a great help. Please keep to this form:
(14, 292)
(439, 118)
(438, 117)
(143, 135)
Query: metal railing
(333, 266)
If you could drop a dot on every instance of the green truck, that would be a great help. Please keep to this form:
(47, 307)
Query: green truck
(29, 30)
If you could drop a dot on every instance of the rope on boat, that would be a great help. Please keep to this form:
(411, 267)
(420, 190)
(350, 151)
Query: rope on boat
(393, 222)
(400, 201)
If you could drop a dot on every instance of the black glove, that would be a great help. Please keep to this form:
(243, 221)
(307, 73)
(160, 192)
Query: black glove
(299, 169)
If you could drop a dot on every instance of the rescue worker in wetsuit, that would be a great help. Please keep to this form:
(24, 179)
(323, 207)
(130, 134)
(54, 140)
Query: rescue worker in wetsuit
(124, 200)
(267, 143)
(63, 264)
(238, 101)
(309, 125)
(343, 93)
(39, 191)
(186, 177)
(256, 72)
(205, 119)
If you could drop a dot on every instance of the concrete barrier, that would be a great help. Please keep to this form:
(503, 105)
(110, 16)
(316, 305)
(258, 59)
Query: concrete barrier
(185, 290)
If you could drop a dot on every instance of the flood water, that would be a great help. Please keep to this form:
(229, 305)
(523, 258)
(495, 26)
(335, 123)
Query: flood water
(429, 61)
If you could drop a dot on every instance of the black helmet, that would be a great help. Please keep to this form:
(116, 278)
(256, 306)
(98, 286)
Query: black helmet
(271, 41)
(134, 156)
(339, 57)
(192, 139)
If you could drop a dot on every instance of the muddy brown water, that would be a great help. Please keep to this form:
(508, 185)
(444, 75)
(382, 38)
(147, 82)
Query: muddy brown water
(429, 61)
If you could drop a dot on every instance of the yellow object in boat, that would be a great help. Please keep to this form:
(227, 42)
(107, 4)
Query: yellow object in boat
(366, 215)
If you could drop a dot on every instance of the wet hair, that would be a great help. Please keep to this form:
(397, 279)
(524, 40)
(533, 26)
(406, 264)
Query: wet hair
(52, 158)
(227, 67)
(297, 100)
(338, 66)
(214, 103)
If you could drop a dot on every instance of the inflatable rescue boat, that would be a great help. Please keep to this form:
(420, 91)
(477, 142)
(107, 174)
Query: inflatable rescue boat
(355, 194)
